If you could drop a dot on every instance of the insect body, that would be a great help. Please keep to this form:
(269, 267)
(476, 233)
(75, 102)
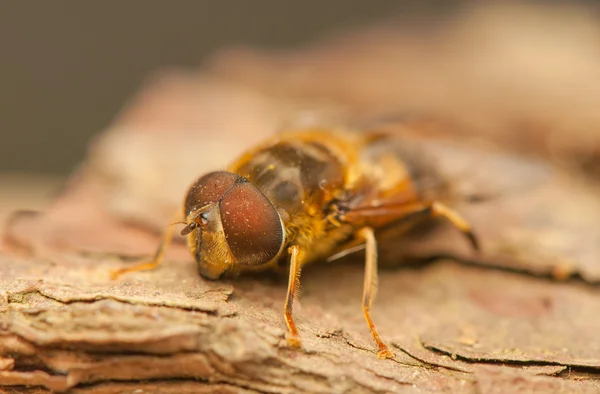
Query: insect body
(304, 197)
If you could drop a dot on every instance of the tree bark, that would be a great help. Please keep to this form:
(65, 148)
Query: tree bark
(520, 317)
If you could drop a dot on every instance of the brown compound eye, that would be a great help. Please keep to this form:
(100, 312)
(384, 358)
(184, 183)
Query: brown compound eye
(252, 225)
(208, 189)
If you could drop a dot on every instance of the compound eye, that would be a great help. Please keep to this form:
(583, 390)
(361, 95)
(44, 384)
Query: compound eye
(251, 224)
(208, 189)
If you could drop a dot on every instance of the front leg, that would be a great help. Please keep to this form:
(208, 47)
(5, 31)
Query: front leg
(293, 338)
(165, 241)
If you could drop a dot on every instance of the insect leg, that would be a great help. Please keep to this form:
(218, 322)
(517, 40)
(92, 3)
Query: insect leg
(156, 259)
(384, 215)
(293, 286)
(439, 209)
(370, 288)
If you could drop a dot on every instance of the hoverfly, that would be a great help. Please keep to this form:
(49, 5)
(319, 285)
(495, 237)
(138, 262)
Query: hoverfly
(303, 197)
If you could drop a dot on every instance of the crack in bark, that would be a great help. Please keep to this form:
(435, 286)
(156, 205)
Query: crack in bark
(352, 344)
(123, 300)
(594, 373)
(428, 364)
(171, 380)
(337, 361)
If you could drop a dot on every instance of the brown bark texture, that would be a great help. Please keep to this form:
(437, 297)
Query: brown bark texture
(521, 317)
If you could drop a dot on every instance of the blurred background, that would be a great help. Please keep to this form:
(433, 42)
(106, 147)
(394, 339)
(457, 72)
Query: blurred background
(525, 75)
(67, 68)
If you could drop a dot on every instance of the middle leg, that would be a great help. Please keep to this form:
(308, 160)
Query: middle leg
(370, 287)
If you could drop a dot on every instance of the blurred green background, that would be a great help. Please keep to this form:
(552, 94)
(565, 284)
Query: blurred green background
(67, 67)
